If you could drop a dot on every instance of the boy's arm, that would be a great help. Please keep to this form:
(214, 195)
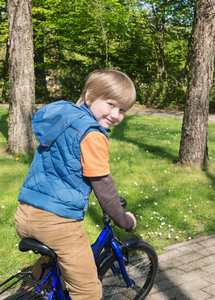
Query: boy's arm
(95, 164)
(106, 193)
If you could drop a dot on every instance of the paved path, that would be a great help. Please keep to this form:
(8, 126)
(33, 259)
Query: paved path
(186, 271)
(178, 114)
(140, 110)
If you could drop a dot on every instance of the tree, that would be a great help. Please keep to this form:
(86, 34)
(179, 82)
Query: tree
(193, 146)
(21, 73)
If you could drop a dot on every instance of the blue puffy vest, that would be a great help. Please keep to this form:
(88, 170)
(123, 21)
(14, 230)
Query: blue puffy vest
(55, 182)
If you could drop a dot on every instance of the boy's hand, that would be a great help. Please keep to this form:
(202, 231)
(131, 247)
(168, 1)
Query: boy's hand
(133, 217)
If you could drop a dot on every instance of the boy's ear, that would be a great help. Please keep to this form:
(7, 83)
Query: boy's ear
(87, 100)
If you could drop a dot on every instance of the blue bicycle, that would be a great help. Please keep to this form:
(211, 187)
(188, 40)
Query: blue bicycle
(127, 269)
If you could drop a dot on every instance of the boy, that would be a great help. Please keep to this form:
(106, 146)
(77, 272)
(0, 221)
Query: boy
(71, 160)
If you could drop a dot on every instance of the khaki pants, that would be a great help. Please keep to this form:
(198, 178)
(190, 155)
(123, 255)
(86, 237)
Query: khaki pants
(69, 241)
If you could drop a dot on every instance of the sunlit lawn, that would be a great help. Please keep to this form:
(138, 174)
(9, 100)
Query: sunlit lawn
(171, 203)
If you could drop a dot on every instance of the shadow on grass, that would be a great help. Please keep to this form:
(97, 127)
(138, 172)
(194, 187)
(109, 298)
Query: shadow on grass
(210, 223)
(4, 125)
(118, 133)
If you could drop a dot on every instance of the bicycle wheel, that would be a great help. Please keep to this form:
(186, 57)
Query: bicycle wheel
(141, 264)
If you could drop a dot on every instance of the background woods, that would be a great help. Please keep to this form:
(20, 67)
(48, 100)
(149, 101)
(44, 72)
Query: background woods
(166, 47)
(149, 40)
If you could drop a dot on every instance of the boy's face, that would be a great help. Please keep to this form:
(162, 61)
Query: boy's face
(107, 113)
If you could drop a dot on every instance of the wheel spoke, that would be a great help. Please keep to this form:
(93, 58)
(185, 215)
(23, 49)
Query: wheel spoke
(142, 269)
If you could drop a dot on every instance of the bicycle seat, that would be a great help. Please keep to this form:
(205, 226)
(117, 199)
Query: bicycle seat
(32, 244)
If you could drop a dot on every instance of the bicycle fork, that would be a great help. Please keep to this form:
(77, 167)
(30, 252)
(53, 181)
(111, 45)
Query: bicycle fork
(128, 280)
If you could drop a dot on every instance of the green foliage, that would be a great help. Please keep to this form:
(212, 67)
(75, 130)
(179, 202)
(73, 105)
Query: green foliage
(3, 21)
(162, 94)
(171, 203)
(148, 40)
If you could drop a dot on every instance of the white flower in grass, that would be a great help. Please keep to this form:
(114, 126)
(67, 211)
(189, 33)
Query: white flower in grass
(3, 206)
(17, 245)
(146, 197)
(30, 251)
(135, 183)
(147, 225)
(139, 205)
(176, 236)
(97, 225)
(155, 203)
(160, 233)
(19, 271)
(208, 201)
(170, 225)
(93, 203)
(169, 236)
(151, 218)
(163, 223)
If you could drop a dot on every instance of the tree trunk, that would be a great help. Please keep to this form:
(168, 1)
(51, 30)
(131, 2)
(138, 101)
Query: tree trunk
(21, 72)
(193, 147)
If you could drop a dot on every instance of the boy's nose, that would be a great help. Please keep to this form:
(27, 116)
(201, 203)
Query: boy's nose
(115, 113)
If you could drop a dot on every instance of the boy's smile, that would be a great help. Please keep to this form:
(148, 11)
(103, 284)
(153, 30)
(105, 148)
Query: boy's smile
(107, 113)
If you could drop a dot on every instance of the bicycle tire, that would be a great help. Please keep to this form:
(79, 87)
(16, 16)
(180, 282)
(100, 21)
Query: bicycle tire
(142, 267)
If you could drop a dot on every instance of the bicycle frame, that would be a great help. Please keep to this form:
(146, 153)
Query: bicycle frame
(106, 237)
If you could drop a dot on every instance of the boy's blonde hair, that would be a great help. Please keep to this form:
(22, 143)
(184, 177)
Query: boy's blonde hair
(109, 84)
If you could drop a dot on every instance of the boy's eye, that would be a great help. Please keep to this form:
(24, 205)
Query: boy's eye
(110, 104)
(122, 110)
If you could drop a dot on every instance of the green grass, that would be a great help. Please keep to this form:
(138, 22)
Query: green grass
(171, 203)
